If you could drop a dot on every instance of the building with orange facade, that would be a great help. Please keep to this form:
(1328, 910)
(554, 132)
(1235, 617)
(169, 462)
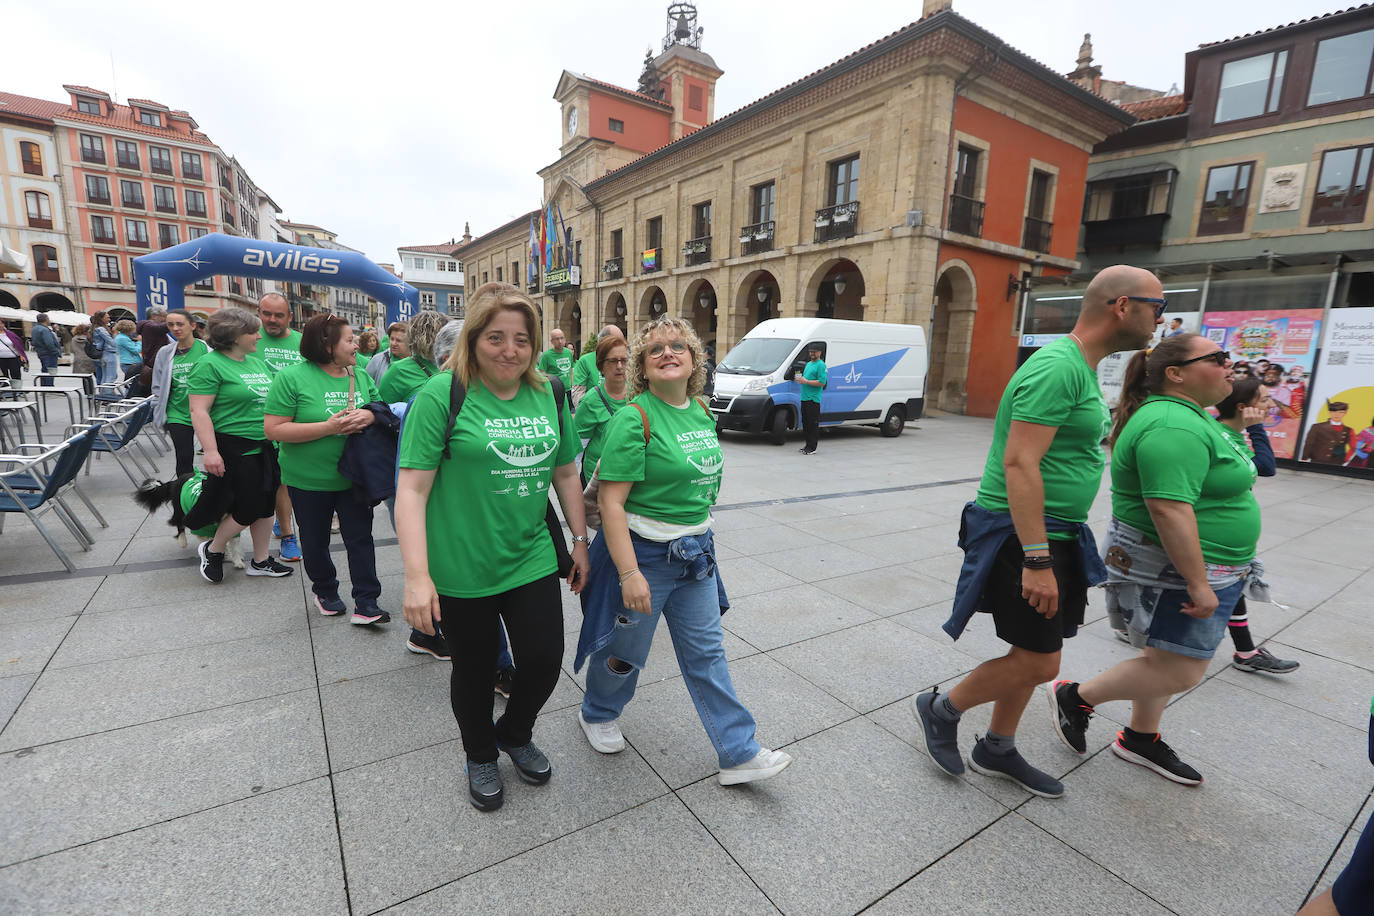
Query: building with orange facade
(920, 179)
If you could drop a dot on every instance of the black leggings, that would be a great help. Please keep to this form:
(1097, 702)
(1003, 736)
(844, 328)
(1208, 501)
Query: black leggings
(533, 615)
(184, 444)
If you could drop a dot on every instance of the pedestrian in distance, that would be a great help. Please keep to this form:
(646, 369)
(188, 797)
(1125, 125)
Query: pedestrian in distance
(470, 516)
(130, 350)
(82, 364)
(661, 469)
(1029, 556)
(311, 409)
(280, 348)
(812, 381)
(1178, 549)
(396, 349)
(409, 374)
(103, 343)
(228, 388)
(367, 348)
(585, 374)
(171, 371)
(557, 360)
(13, 357)
(46, 347)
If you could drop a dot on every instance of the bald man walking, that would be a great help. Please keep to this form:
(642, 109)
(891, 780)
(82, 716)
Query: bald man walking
(1028, 554)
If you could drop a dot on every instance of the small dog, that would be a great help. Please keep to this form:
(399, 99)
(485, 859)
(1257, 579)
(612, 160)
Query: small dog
(154, 494)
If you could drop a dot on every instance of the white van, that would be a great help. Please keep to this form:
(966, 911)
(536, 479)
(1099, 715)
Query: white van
(877, 376)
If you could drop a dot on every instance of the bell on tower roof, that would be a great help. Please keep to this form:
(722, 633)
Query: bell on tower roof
(682, 26)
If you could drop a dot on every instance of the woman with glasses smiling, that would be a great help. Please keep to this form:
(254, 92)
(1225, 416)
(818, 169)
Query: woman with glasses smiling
(1179, 547)
(597, 406)
(660, 474)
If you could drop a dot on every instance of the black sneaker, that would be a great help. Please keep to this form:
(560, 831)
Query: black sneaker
(268, 567)
(1153, 754)
(434, 645)
(211, 563)
(484, 786)
(1014, 767)
(330, 607)
(530, 763)
(940, 739)
(1070, 719)
(505, 677)
(1264, 660)
(367, 612)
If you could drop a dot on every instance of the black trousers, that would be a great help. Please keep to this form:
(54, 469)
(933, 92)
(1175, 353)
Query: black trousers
(533, 615)
(184, 444)
(811, 423)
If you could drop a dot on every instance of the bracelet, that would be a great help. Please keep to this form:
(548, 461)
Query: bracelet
(1037, 563)
(579, 537)
(1044, 546)
(628, 575)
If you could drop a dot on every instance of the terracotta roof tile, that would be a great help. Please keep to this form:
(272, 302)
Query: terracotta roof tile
(1153, 109)
(121, 118)
(87, 90)
(445, 248)
(1277, 28)
(30, 107)
(637, 96)
(149, 103)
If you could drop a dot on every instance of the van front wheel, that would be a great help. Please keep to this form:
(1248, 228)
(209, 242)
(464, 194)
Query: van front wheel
(894, 422)
(777, 427)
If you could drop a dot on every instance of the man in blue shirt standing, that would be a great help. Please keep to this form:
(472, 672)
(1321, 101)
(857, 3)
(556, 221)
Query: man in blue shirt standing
(46, 345)
(813, 379)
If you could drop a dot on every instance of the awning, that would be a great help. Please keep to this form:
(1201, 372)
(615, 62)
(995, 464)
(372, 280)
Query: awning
(11, 261)
(58, 316)
(1151, 169)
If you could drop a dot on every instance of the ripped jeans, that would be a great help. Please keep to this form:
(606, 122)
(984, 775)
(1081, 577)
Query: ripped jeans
(691, 606)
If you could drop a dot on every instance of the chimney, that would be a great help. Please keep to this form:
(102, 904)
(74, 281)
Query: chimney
(931, 7)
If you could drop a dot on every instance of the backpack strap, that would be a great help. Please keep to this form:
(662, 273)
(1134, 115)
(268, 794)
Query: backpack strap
(559, 396)
(706, 407)
(644, 419)
(456, 395)
(601, 390)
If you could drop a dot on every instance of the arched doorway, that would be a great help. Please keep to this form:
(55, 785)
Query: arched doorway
(52, 302)
(701, 307)
(838, 290)
(951, 338)
(119, 313)
(570, 322)
(8, 301)
(652, 304)
(616, 313)
(757, 299)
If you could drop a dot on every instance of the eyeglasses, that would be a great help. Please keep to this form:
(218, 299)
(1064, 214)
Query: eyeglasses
(1220, 357)
(616, 362)
(676, 346)
(1159, 304)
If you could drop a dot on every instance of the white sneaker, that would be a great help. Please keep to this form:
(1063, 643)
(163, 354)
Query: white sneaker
(604, 737)
(764, 765)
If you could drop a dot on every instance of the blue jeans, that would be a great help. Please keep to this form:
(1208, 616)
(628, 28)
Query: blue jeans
(49, 363)
(692, 608)
(314, 511)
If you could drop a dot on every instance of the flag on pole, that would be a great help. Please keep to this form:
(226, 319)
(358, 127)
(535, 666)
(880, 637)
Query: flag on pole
(565, 237)
(531, 256)
(549, 235)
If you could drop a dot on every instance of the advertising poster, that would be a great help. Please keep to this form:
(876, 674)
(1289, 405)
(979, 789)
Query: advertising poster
(1277, 346)
(1113, 367)
(1340, 429)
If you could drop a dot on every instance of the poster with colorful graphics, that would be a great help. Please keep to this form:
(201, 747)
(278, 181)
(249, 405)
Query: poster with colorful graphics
(1340, 424)
(1112, 369)
(1277, 346)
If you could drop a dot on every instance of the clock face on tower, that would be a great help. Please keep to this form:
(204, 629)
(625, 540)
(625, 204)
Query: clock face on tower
(572, 121)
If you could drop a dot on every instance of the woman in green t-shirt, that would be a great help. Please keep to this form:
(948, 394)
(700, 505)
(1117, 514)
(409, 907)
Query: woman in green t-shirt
(367, 348)
(227, 388)
(660, 471)
(1183, 533)
(171, 369)
(612, 362)
(312, 408)
(470, 516)
(406, 376)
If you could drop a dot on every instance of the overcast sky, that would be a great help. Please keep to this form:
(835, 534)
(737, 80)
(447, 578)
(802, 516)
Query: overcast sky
(396, 123)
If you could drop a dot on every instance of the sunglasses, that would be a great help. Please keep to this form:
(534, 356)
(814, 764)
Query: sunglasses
(1159, 304)
(1220, 357)
(676, 346)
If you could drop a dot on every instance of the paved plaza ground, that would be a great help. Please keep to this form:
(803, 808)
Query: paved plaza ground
(170, 746)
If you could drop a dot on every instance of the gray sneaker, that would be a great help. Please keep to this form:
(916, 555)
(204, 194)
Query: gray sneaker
(485, 790)
(530, 763)
(1264, 660)
(941, 738)
(1014, 767)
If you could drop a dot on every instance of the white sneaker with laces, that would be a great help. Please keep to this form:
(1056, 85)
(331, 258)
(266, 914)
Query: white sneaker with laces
(604, 737)
(764, 765)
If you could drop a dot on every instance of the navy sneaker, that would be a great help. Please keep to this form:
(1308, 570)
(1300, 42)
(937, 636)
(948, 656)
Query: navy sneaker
(485, 790)
(1070, 719)
(1014, 767)
(367, 612)
(530, 763)
(434, 645)
(940, 738)
(330, 607)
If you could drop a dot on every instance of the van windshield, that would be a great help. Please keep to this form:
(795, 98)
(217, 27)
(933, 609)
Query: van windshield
(757, 356)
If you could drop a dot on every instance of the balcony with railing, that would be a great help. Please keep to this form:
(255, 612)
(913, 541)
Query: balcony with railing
(756, 238)
(1035, 236)
(965, 215)
(127, 159)
(838, 222)
(93, 154)
(1124, 232)
(697, 251)
(650, 260)
(614, 268)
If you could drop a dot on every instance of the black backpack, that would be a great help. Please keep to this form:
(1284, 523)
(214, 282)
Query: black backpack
(93, 348)
(456, 396)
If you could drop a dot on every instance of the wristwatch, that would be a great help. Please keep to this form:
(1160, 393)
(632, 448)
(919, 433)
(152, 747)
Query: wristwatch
(579, 537)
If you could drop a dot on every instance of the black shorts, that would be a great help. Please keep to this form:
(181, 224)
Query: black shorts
(1020, 624)
(247, 491)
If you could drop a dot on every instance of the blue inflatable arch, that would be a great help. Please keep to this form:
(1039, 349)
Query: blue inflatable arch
(161, 278)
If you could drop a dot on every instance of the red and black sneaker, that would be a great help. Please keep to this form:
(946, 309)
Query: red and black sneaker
(1152, 753)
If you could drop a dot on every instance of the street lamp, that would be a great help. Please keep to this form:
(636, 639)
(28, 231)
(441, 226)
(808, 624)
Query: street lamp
(704, 297)
(761, 293)
(840, 283)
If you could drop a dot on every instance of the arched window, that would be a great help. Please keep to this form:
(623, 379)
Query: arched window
(45, 263)
(32, 157)
(39, 209)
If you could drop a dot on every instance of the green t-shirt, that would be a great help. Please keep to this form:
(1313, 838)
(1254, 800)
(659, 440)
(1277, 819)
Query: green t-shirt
(485, 517)
(677, 477)
(190, 495)
(239, 389)
(308, 394)
(279, 352)
(361, 359)
(557, 362)
(584, 371)
(404, 377)
(1055, 387)
(816, 372)
(178, 400)
(1172, 449)
(592, 417)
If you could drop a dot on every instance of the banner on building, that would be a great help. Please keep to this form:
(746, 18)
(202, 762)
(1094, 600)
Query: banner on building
(1340, 427)
(1277, 346)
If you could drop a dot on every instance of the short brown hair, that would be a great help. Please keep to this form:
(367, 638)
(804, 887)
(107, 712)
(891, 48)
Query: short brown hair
(125, 326)
(486, 302)
(227, 325)
(320, 336)
(605, 345)
(394, 327)
(367, 342)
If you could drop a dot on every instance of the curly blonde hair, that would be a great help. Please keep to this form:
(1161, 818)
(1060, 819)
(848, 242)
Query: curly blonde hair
(666, 327)
(420, 333)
